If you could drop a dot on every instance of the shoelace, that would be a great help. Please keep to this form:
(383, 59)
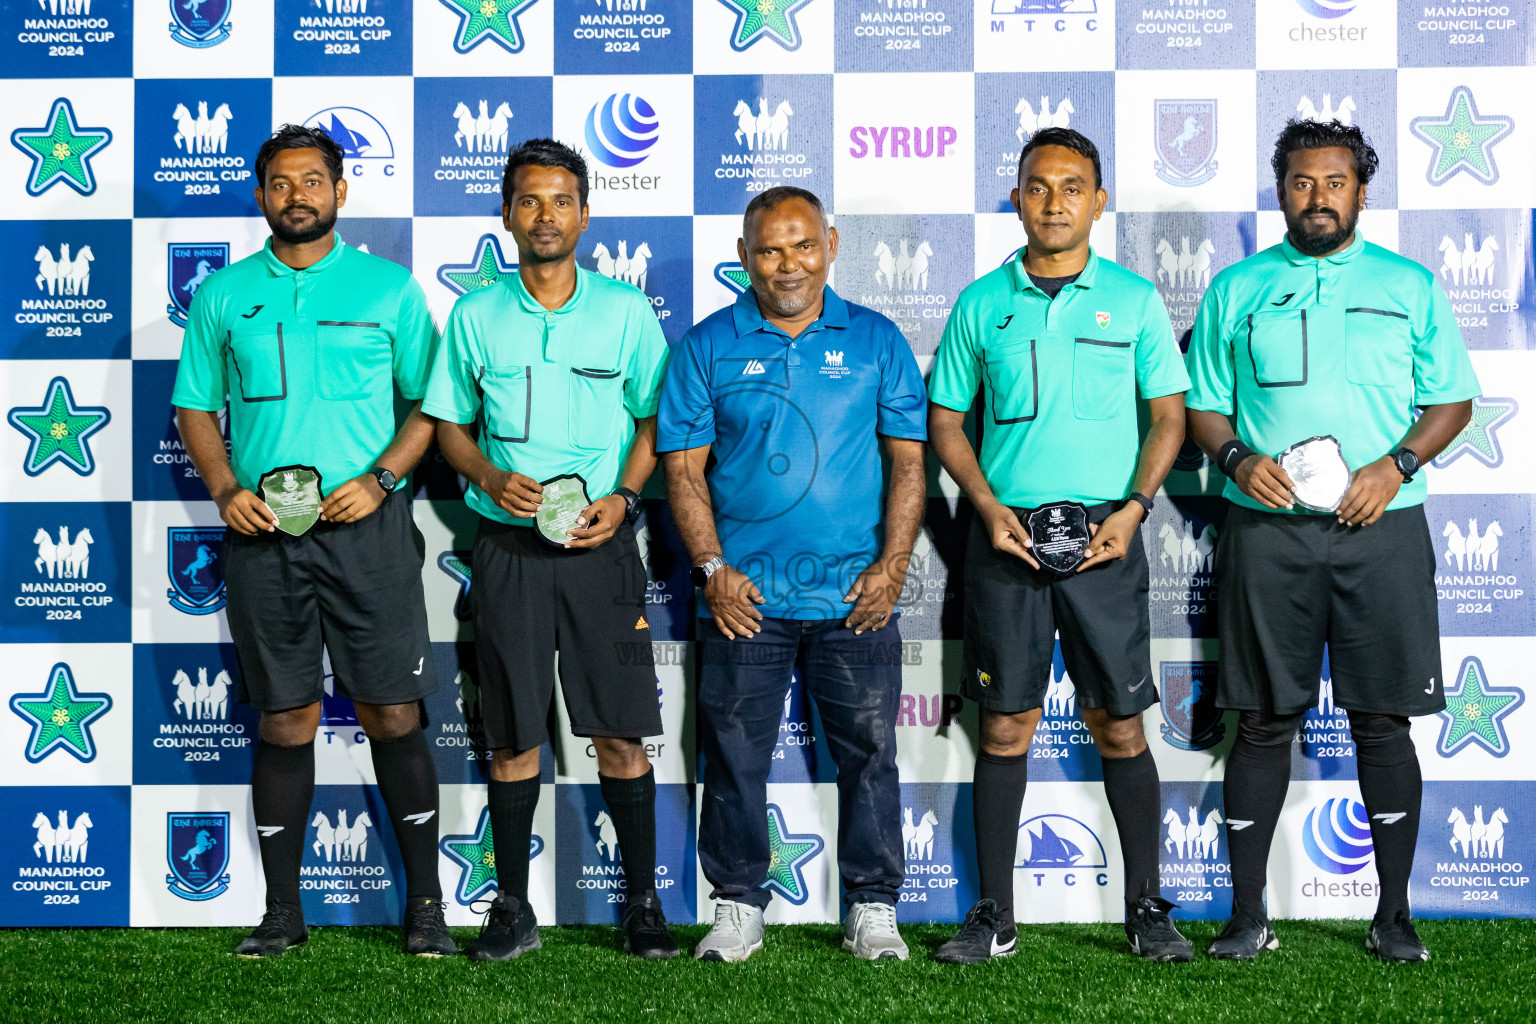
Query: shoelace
(980, 924)
(728, 914)
(879, 920)
(427, 914)
(495, 912)
(279, 919)
(1155, 913)
(648, 918)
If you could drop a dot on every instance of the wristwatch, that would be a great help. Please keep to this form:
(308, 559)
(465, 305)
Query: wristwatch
(631, 503)
(1142, 500)
(1407, 462)
(702, 573)
(386, 479)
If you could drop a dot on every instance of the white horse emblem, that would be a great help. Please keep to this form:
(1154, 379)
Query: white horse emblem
(917, 840)
(65, 559)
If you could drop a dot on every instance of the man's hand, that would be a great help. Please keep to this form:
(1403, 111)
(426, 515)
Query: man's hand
(1261, 478)
(877, 590)
(518, 494)
(353, 500)
(597, 522)
(733, 599)
(1007, 533)
(245, 513)
(1111, 539)
(1371, 489)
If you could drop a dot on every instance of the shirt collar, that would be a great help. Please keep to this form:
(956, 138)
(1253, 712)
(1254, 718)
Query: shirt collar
(532, 305)
(747, 316)
(1021, 281)
(281, 269)
(1298, 258)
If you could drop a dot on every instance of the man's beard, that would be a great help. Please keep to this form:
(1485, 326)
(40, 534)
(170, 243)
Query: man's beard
(318, 228)
(1323, 242)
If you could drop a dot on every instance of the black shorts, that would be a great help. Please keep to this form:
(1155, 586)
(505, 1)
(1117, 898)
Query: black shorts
(1013, 613)
(1285, 585)
(353, 588)
(531, 600)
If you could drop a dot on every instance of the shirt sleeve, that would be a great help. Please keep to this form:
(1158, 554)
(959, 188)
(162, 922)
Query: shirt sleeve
(202, 377)
(903, 400)
(1442, 369)
(686, 416)
(1210, 359)
(957, 365)
(647, 366)
(452, 392)
(416, 341)
(1159, 366)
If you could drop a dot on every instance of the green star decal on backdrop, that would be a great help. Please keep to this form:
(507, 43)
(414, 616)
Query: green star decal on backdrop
(1477, 438)
(60, 151)
(487, 268)
(60, 716)
(756, 19)
(733, 276)
(58, 430)
(1462, 140)
(475, 857)
(1475, 710)
(787, 856)
(495, 20)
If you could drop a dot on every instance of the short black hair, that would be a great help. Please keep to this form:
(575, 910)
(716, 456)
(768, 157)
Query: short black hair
(779, 194)
(297, 136)
(1068, 138)
(543, 153)
(1303, 134)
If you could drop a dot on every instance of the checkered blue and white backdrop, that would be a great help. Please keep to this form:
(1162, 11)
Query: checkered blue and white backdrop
(128, 179)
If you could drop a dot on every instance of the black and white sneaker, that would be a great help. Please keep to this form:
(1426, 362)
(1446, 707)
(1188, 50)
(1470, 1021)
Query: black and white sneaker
(281, 928)
(426, 933)
(1244, 938)
(509, 931)
(1395, 941)
(646, 934)
(986, 933)
(1152, 934)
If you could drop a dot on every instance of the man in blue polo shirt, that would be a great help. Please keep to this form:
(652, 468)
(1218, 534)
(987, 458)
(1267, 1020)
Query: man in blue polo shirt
(790, 388)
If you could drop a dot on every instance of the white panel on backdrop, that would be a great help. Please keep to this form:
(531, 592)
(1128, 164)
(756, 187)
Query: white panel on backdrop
(730, 37)
(93, 178)
(242, 46)
(517, 40)
(1496, 452)
(467, 867)
(69, 715)
(936, 731)
(670, 753)
(1073, 35)
(1464, 141)
(1322, 863)
(1326, 35)
(1189, 737)
(195, 859)
(172, 257)
(908, 140)
(371, 119)
(1184, 140)
(449, 530)
(68, 430)
(1488, 729)
(718, 276)
(637, 137)
(1067, 867)
(184, 539)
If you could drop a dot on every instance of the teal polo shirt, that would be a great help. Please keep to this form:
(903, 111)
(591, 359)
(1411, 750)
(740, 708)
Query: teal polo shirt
(555, 392)
(1294, 347)
(1061, 378)
(305, 359)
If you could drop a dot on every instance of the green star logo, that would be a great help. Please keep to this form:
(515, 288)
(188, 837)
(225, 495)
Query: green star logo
(495, 20)
(475, 857)
(1462, 140)
(58, 430)
(1477, 438)
(60, 151)
(787, 856)
(756, 19)
(60, 716)
(1474, 712)
(487, 268)
(733, 276)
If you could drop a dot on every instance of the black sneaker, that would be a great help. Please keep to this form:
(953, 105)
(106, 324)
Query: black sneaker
(1152, 934)
(508, 932)
(281, 926)
(426, 933)
(1244, 938)
(646, 934)
(1395, 941)
(986, 933)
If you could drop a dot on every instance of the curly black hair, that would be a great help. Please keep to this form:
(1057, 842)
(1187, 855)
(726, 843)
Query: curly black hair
(297, 136)
(543, 153)
(1068, 138)
(1303, 134)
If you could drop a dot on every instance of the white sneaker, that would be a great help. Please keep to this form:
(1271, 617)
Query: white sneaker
(869, 932)
(737, 934)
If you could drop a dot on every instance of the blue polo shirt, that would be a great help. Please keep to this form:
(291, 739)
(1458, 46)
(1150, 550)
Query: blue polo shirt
(797, 486)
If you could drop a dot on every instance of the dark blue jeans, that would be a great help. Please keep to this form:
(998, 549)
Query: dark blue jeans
(856, 684)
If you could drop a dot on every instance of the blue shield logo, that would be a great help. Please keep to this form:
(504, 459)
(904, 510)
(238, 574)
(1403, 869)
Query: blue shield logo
(197, 849)
(1184, 135)
(200, 23)
(196, 569)
(187, 266)
(1191, 720)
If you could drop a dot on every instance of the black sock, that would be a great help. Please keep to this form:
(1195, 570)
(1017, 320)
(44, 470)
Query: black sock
(512, 805)
(632, 805)
(1391, 786)
(1258, 774)
(408, 783)
(997, 798)
(1136, 798)
(282, 788)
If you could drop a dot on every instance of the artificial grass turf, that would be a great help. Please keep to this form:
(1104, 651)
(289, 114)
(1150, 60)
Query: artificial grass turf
(1480, 971)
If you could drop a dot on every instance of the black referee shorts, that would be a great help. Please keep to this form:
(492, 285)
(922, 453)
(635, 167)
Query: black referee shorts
(353, 588)
(532, 600)
(1013, 613)
(1285, 585)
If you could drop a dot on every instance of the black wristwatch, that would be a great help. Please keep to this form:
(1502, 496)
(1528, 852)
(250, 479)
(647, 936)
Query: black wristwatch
(386, 479)
(1407, 462)
(631, 503)
(702, 573)
(1142, 500)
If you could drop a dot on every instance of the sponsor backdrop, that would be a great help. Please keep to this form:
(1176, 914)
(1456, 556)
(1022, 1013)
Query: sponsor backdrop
(127, 177)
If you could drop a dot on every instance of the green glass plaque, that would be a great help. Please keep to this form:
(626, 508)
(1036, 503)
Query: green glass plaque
(293, 495)
(564, 498)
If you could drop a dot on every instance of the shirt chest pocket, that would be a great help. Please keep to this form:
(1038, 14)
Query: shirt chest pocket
(1013, 380)
(596, 404)
(1277, 346)
(260, 363)
(1103, 378)
(352, 359)
(506, 396)
(1378, 347)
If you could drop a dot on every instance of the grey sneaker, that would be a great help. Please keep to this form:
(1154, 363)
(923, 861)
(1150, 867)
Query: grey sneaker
(869, 932)
(737, 934)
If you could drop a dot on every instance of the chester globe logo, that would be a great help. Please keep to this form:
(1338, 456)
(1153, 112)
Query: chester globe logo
(495, 20)
(475, 857)
(1475, 711)
(197, 850)
(1327, 8)
(788, 854)
(621, 129)
(60, 717)
(200, 23)
(1337, 836)
(1462, 139)
(61, 151)
(59, 430)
